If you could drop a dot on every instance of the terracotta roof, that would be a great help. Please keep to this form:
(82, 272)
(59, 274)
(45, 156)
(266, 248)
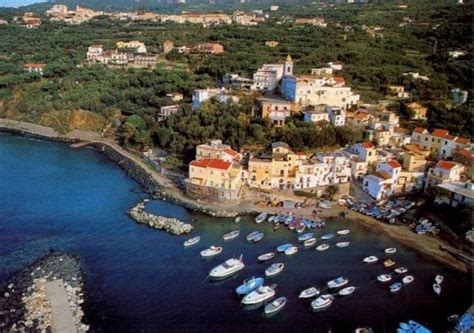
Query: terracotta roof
(419, 130)
(449, 137)
(367, 145)
(394, 164)
(211, 163)
(339, 79)
(383, 174)
(231, 152)
(466, 153)
(414, 148)
(362, 115)
(400, 130)
(464, 141)
(440, 133)
(446, 165)
(34, 65)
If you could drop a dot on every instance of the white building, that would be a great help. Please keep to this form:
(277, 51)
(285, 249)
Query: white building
(337, 115)
(221, 94)
(315, 114)
(444, 172)
(166, 111)
(459, 193)
(269, 75)
(94, 53)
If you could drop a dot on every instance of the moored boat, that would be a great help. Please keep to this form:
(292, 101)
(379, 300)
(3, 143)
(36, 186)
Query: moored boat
(255, 236)
(370, 259)
(291, 251)
(337, 283)
(439, 279)
(231, 235)
(322, 247)
(228, 268)
(347, 291)
(259, 295)
(274, 269)
(343, 232)
(309, 293)
(266, 256)
(258, 237)
(395, 287)
(388, 263)
(309, 242)
(237, 219)
(261, 217)
(327, 236)
(342, 244)
(284, 247)
(211, 251)
(276, 305)
(192, 241)
(384, 277)
(322, 302)
(408, 279)
(249, 285)
(390, 250)
(276, 226)
(305, 237)
(437, 288)
(401, 270)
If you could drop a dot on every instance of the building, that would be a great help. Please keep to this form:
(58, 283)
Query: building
(444, 172)
(398, 91)
(215, 149)
(316, 21)
(382, 183)
(168, 46)
(145, 61)
(137, 46)
(414, 158)
(459, 96)
(337, 115)
(416, 110)
(269, 75)
(439, 142)
(202, 95)
(209, 48)
(365, 151)
(237, 81)
(94, 53)
(166, 111)
(271, 43)
(316, 114)
(34, 68)
(275, 108)
(175, 96)
(458, 193)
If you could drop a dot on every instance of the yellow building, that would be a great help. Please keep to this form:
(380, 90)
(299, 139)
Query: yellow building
(414, 157)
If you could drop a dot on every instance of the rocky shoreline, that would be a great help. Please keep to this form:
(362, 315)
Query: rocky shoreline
(24, 304)
(171, 225)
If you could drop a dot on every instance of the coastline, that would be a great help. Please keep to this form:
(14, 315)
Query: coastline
(162, 187)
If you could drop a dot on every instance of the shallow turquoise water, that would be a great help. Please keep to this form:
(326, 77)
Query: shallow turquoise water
(142, 280)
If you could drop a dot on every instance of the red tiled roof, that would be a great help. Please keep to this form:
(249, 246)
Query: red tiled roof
(466, 154)
(440, 133)
(464, 141)
(419, 130)
(400, 130)
(367, 145)
(384, 174)
(211, 163)
(231, 152)
(34, 65)
(394, 164)
(446, 165)
(339, 79)
(449, 137)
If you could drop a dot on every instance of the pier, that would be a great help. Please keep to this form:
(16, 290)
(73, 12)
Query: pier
(62, 319)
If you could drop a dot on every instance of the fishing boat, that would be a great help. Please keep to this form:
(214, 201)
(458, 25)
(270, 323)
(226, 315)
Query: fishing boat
(370, 259)
(231, 235)
(309, 242)
(309, 293)
(266, 256)
(322, 302)
(249, 285)
(258, 237)
(408, 279)
(255, 236)
(328, 236)
(260, 218)
(291, 251)
(305, 237)
(322, 247)
(437, 288)
(439, 279)
(390, 250)
(401, 270)
(388, 263)
(192, 241)
(384, 278)
(284, 247)
(346, 291)
(274, 269)
(259, 295)
(211, 251)
(237, 219)
(337, 283)
(228, 268)
(343, 232)
(276, 305)
(300, 228)
(342, 244)
(395, 287)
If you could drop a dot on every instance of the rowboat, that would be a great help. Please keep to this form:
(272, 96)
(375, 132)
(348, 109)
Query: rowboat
(305, 237)
(395, 287)
(260, 218)
(370, 259)
(322, 302)
(336, 283)
(346, 291)
(258, 237)
(390, 250)
(284, 247)
(342, 244)
(343, 232)
(401, 270)
(231, 235)
(266, 256)
(211, 251)
(276, 305)
(439, 279)
(309, 242)
(328, 236)
(274, 269)
(309, 293)
(388, 263)
(437, 288)
(322, 247)
(276, 226)
(249, 285)
(291, 251)
(192, 241)
(237, 219)
(255, 236)
(408, 279)
(384, 277)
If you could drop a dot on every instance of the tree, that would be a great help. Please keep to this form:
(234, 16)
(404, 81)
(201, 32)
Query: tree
(331, 191)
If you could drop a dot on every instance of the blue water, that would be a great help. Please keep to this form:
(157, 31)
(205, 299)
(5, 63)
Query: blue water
(143, 280)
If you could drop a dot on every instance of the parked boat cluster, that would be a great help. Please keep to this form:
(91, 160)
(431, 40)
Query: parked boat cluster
(299, 225)
(388, 212)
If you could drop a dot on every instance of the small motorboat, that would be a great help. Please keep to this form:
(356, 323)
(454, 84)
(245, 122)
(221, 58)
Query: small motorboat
(327, 236)
(231, 235)
(266, 256)
(401, 270)
(258, 237)
(408, 279)
(347, 291)
(274, 269)
(439, 279)
(309, 242)
(192, 241)
(305, 237)
(300, 229)
(343, 232)
(390, 250)
(237, 219)
(260, 218)
(211, 251)
(284, 247)
(437, 288)
(370, 259)
(337, 283)
(228, 268)
(259, 295)
(249, 285)
(388, 263)
(291, 251)
(309, 293)
(255, 236)
(395, 287)
(276, 305)
(322, 247)
(384, 278)
(322, 302)
(342, 244)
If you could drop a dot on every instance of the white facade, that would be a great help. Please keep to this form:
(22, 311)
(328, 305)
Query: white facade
(337, 115)
(202, 95)
(269, 75)
(316, 114)
(94, 53)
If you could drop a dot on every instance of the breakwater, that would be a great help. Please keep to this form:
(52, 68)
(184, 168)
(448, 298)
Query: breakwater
(171, 225)
(24, 302)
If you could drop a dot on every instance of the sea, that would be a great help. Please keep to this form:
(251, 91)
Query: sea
(139, 279)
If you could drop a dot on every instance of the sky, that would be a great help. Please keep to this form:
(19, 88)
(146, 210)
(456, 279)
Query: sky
(17, 3)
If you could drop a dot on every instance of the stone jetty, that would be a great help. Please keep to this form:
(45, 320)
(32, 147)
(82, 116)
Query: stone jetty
(171, 225)
(25, 304)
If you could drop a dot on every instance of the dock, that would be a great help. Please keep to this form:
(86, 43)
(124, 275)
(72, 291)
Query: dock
(62, 319)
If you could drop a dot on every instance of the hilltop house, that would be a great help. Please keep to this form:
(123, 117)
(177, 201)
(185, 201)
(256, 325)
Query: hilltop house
(268, 76)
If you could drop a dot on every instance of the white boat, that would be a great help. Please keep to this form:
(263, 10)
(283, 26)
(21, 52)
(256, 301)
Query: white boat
(322, 302)
(343, 232)
(346, 291)
(439, 279)
(408, 279)
(237, 219)
(401, 270)
(274, 269)
(437, 288)
(395, 287)
(212, 251)
(228, 268)
(276, 305)
(309, 293)
(192, 241)
(342, 244)
(266, 256)
(251, 237)
(384, 277)
(370, 259)
(291, 251)
(336, 283)
(309, 242)
(390, 250)
(322, 247)
(259, 295)
(305, 237)
(328, 236)
(231, 235)
(284, 247)
(260, 218)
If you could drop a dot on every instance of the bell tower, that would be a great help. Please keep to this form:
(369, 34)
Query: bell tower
(288, 66)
